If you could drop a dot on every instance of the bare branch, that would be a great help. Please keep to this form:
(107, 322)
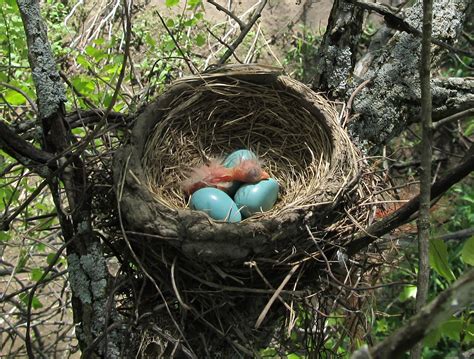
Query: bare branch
(229, 13)
(232, 47)
(426, 161)
(404, 213)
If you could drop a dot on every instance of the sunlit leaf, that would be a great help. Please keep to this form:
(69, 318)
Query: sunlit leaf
(14, 98)
(438, 255)
(200, 40)
(407, 293)
(4, 236)
(36, 274)
(170, 3)
(467, 253)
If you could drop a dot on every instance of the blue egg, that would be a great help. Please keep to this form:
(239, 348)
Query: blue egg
(235, 157)
(216, 203)
(233, 160)
(257, 197)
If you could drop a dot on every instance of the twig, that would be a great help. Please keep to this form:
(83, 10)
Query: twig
(5, 223)
(225, 44)
(351, 100)
(426, 155)
(457, 116)
(243, 33)
(275, 295)
(29, 348)
(401, 215)
(189, 63)
(228, 12)
(395, 22)
(452, 300)
(23, 93)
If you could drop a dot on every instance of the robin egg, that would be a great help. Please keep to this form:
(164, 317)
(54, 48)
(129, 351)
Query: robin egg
(216, 203)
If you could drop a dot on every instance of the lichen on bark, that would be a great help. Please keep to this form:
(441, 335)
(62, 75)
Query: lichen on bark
(392, 98)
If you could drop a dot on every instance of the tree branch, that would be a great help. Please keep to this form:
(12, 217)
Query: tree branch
(423, 223)
(336, 56)
(24, 152)
(232, 47)
(393, 97)
(452, 300)
(403, 214)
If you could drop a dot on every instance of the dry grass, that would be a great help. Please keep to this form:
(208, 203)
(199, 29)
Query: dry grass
(300, 145)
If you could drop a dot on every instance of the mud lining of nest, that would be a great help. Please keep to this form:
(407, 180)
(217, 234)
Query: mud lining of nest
(238, 286)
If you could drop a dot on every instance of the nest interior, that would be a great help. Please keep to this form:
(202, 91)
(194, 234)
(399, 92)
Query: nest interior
(294, 132)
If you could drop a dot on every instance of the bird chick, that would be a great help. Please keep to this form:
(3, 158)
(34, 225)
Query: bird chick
(214, 174)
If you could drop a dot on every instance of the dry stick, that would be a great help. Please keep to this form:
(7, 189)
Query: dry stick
(224, 43)
(351, 100)
(244, 32)
(404, 213)
(23, 93)
(457, 116)
(228, 12)
(423, 223)
(275, 295)
(29, 347)
(189, 63)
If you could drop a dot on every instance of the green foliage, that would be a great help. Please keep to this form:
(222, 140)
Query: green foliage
(438, 255)
(467, 253)
(299, 58)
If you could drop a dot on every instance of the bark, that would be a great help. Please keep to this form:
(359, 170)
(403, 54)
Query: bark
(88, 274)
(426, 161)
(336, 57)
(392, 98)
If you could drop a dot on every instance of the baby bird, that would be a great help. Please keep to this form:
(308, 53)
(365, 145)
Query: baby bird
(214, 174)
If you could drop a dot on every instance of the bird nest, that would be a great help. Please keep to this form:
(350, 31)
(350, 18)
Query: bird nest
(294, 131)
(227, 276)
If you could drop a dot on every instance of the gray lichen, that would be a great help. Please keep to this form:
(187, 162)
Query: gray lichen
(49, 87)
(391, 100)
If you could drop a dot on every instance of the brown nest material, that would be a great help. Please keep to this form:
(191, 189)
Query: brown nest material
(294, 131)
(225, 277)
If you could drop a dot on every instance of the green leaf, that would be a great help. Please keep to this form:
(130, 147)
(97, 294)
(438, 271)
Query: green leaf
(432, 338)
(35, 303)
(22, 261)
(36, 274)
(81, 60)
(467, 253)
(438, 255)
(452, 329)
(407, 293)
(14, 98)
(469, 334)
(50, 258)
(170, 23)
(170, 3)
(293, 356)
(4, 236)
(470, 129)
(193, 3)
(200, 40)
(169, 45)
